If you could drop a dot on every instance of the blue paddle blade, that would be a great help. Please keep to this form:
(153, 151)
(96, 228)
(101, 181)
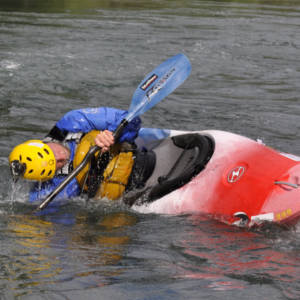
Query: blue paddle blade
(159, 83)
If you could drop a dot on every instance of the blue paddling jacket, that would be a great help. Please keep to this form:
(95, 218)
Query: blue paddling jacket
(82, 121)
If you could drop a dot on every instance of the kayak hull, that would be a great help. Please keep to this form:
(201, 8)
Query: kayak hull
(244, 183)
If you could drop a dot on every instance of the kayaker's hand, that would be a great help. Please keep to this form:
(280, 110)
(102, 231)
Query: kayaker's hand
(104, 140)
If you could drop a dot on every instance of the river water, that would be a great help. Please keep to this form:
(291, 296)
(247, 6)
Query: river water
(61, 55)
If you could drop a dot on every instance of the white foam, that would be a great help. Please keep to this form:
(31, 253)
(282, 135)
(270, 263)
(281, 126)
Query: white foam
(9, 65)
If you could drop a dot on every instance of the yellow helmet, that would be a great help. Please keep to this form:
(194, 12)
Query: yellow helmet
(34, 160)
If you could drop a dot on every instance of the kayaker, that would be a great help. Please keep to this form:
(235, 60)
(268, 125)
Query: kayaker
(50, 160)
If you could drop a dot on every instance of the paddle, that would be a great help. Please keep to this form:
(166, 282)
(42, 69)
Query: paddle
(159, 83)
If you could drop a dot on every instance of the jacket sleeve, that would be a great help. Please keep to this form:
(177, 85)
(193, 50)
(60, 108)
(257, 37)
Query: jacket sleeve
(39, 191)
(85, 120)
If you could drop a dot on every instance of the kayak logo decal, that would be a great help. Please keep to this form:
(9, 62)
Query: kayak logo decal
(235, 174)
(148, 82)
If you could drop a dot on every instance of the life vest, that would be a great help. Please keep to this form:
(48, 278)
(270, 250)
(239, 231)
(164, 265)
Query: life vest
(82, 148)
(116, 173)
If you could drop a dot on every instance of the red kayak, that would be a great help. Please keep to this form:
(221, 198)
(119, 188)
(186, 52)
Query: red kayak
(238, 180)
